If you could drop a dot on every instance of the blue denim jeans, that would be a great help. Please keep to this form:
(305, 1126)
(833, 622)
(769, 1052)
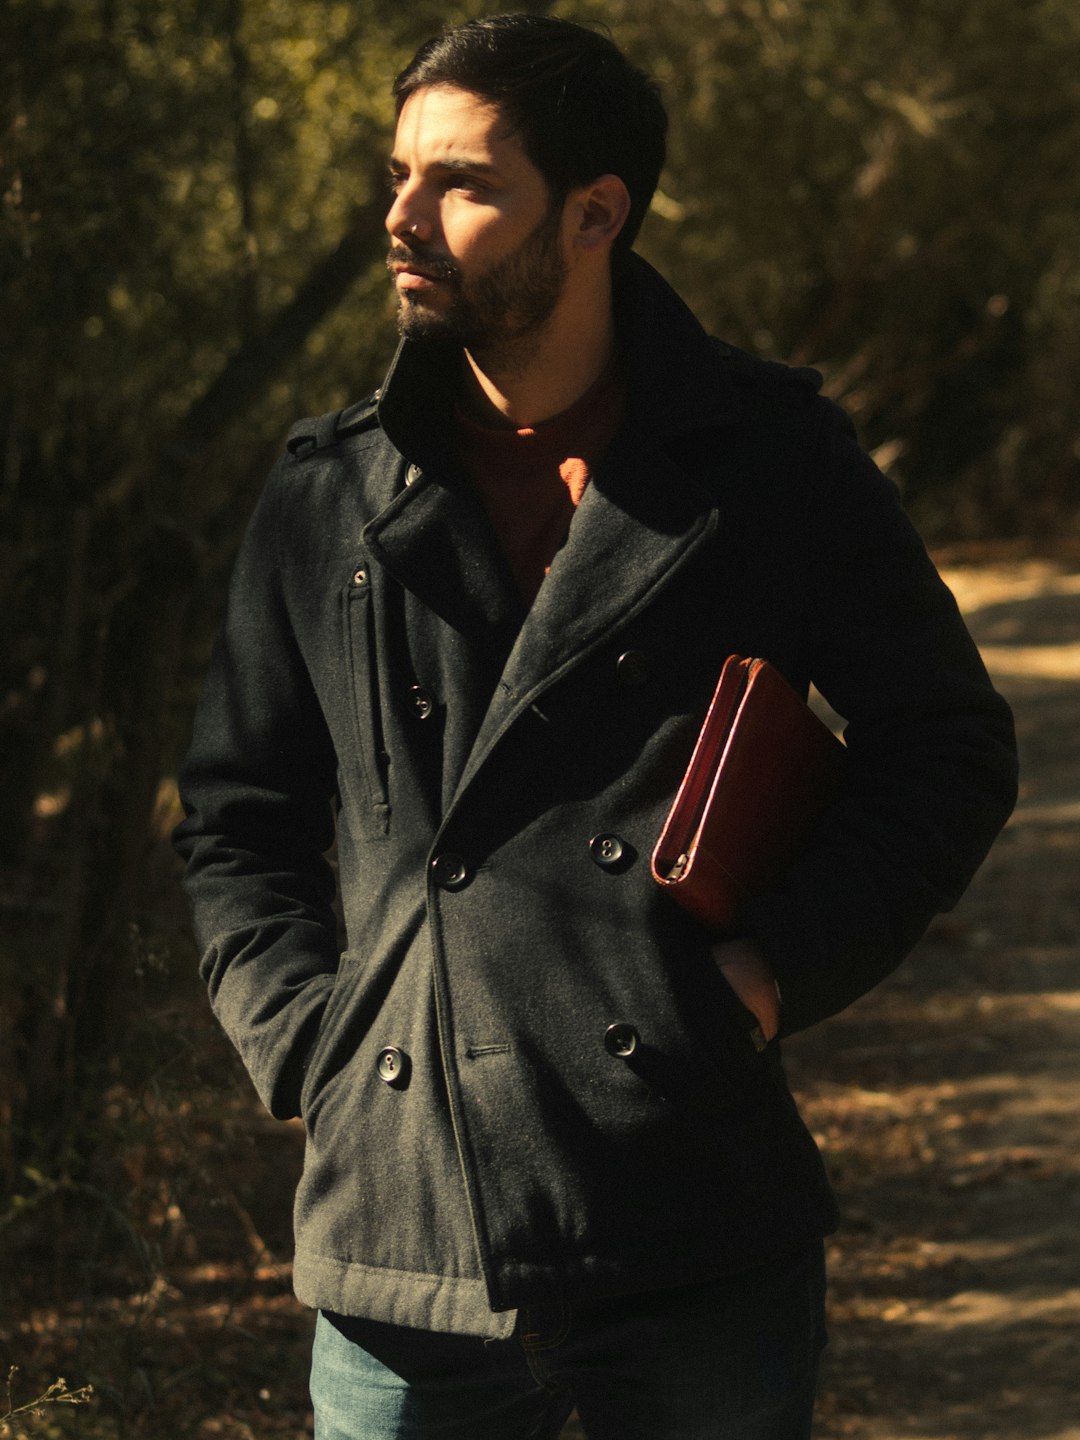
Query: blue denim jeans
(732, 1359)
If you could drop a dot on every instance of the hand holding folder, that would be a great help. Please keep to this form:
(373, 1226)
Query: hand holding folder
(764, 768)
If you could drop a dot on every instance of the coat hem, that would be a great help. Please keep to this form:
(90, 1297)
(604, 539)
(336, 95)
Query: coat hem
(447, 1303)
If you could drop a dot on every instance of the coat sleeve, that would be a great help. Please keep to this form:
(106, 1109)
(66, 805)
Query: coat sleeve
(931, 775)
(258, 790)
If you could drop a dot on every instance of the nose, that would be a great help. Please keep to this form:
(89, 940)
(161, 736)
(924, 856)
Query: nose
(407, 218)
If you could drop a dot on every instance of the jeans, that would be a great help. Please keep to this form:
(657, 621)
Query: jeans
(731, 1359)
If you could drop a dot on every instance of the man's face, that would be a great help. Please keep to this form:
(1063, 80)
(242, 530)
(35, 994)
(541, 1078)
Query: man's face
(478, 254)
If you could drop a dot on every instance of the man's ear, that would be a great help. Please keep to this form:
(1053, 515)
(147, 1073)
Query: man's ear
(599, 210)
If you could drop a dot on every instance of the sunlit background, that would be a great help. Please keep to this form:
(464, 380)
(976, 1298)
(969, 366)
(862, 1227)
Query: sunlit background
(192, 256)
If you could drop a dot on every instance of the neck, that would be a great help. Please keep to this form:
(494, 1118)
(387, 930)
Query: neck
(565, 360)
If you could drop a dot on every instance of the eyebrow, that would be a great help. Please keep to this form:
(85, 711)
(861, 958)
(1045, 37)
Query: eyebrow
(451, 164)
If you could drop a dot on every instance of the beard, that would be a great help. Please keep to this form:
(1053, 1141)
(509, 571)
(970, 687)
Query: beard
(497, 314)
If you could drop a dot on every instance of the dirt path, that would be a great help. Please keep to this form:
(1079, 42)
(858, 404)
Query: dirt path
(948, 1102)
(949, 1106)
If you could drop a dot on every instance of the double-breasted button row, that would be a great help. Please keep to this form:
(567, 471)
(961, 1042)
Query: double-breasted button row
(392, 1065)
(621, 1039)
(449, 871)
(421, 705)
(632, 667)
(606, 850)
(611, 852)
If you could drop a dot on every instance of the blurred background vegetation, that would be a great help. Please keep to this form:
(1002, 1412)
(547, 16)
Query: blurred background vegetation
(192, 256)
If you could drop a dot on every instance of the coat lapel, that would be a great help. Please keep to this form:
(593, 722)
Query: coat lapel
(640, 520)
(436, 540)
(435, 537)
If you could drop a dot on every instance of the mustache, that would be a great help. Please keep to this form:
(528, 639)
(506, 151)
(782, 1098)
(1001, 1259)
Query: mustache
(434, 267)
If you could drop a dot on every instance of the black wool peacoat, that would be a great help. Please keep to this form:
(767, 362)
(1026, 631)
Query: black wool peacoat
(495, 781)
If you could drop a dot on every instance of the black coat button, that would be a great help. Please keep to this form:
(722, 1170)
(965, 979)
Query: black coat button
(621, 1040)
(393, 1065)
(632, 667)
(420, 702)
(607, 851)
(449, 871)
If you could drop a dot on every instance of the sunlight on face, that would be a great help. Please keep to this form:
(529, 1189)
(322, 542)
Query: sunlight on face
(477, 251)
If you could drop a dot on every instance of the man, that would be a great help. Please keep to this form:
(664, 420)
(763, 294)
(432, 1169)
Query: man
(551, 1157)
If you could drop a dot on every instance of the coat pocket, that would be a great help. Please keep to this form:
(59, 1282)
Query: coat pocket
(371, 759)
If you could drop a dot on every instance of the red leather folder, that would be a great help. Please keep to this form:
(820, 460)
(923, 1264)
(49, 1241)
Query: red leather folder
(764, 768)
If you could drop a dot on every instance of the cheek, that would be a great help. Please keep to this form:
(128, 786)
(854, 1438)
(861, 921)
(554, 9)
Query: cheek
(482, 234)
(472, 238)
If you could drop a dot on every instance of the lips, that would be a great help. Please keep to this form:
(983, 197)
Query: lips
(406, 279)
(407, 267)
(413, 273)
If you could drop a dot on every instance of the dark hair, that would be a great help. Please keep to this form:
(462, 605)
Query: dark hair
(579, 106)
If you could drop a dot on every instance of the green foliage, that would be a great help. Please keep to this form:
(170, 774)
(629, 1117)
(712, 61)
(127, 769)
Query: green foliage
(888, 191)
(191, 253)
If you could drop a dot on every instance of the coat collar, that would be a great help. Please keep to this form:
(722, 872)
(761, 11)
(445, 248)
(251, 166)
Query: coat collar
(677, 380)
(674, 372)
(641, 519)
